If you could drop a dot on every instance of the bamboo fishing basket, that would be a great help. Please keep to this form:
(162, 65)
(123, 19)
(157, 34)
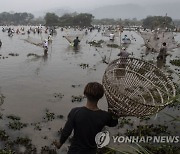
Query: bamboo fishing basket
(135, 87)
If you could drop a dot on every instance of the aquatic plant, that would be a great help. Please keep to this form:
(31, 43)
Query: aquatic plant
(113, 45)
(49, 150)
(50, 116)
(175, 62)
(6, 151)
(148, 130)
(96, 43)
(60, 116)
(84, 66)
(58, 95)
(13, 54)
(124, 121)
(37, 126)
(3, 135)
(16, 125)
(163, 149)
(77, 98)
(13, 117)
(74, 86)
(2, 98)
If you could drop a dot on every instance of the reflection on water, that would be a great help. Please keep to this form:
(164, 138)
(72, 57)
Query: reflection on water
(30, 80)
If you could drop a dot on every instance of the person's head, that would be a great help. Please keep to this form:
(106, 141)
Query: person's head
(164, 43)
(94, 91)
(77, 37)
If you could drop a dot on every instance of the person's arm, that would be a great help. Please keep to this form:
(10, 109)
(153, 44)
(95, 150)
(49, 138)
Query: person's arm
(66, 132)
(113, 119)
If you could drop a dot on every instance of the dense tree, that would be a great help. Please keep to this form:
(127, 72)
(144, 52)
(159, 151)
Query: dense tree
(74, 19)
(51, 19)
(153, 22)
(15, 18)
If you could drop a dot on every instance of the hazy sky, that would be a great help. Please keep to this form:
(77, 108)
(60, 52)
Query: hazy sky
(38, 5)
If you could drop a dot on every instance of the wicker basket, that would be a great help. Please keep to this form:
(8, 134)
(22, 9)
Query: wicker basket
(134, 87)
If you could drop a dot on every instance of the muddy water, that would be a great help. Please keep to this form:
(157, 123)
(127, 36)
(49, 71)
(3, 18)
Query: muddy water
(29, 83)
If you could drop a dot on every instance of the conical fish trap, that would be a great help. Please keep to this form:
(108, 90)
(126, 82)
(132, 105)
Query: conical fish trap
(134, 87)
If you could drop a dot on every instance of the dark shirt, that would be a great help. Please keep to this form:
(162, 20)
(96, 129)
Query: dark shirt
(86, 124)
(76, 42)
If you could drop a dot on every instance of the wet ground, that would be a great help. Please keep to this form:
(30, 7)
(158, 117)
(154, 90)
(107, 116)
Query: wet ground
(33, 84)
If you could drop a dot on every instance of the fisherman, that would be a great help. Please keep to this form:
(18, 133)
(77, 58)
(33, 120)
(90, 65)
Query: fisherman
(86, 32)
(45, 45)
(112, 36)
(49, 38)
(76, 42)
(0, 43)
(124, 53)
(163, 52)
(87, 122)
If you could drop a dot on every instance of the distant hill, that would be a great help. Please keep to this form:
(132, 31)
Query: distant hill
(123, 11)
(137, 11)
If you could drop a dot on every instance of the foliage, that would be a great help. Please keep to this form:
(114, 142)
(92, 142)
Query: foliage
(51, 19)
(82, 19)
(15, 18)
(153, 22)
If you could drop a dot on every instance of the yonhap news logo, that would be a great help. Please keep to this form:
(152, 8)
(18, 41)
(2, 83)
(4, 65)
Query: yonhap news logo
(102, 139)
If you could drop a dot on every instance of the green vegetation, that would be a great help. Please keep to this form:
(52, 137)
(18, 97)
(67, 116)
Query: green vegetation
(15, 18)
(82, 19)
(175, 62)
(153, 22)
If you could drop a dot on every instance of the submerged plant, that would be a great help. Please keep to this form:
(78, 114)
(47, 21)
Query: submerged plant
(77, 98)
(16, 125)
(50, 116)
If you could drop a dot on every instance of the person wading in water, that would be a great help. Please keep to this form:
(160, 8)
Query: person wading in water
(86, 122)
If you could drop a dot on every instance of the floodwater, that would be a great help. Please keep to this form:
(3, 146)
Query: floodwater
(30, 83)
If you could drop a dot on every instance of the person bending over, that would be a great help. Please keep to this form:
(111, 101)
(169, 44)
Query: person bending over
(86, 122)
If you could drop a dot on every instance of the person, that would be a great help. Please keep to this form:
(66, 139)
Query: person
(87, 122)
(45, 45)
(0, 43)
(112, 36)
(163, 52)
(76, 42)
(124, 53)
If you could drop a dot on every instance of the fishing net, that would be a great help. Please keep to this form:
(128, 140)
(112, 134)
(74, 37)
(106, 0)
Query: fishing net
(108, 32)
(34, 41)
(154, 40)
(70, 37)
(134, 87)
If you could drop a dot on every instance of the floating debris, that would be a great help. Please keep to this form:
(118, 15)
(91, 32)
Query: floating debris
(113, 45)
(148, 130)
(58, 95)
(48, 150)
(175, 62)
(77, 98)
(3, 135)
(74, 86)
(2, 97)
(60, 116)
(37, 126)
(124, 121)
(13, 117)
(50, 116)
(13, 54)
(16, 125)
(162, 149)
(84, 66)
(96, 43)
(33, 54)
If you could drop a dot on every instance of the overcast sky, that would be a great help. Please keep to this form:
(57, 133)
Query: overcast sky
(37, 5)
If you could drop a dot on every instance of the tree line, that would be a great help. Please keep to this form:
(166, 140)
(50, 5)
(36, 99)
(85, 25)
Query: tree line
(73, 19)
(84, 19)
